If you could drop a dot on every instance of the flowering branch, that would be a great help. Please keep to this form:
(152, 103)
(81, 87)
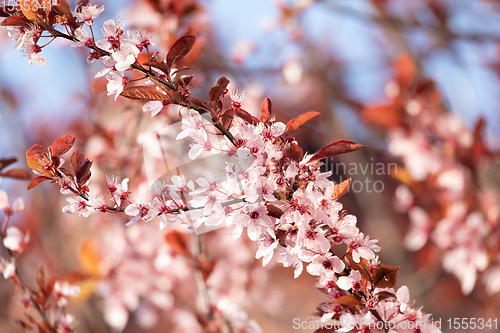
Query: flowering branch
(266, 184)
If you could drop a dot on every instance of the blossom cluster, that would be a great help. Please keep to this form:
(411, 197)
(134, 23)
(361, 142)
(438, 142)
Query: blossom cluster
(265, 185)
(442, 159)
(51, 298)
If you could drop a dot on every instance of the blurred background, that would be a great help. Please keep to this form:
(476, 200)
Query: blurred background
(416, 81)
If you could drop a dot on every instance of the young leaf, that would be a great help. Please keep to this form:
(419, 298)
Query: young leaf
(217, 89)
(336, 148)
(385, 276)
(15, 21)
(40, 278)
(144, 93)
(36, 157)
(17, 173)
(37, 181)
(247, 117)
(77, 159)
(177, 242)
(265, 110)
(346, 300)
(340, 189)
(180, 49)
(62, 145)
(5, 162)
(293, 151)
(83, 172)
(89, 257)
(298, 122)
(161, 66)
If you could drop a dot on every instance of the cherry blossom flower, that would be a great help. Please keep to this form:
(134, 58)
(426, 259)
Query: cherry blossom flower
(289, 257)
(125, 57)
(88, 13)
(10, 208)
(154, 107)
(118, 190)
(354, 281)
(325, 264)
(236, 98)
(362, 247)
(267, 244)
(116, 83)
(140, 211)
(419, 229)
(15, 240)
(113, 33)
(254, 217)
(77, 204)
(7, 268)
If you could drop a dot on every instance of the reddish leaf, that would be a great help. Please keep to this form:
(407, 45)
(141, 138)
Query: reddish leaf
(17, 173)
(247, 117)
(336, 148)
(185, 80)
(274, 211)
(219, 88)
(30, 7)
(37, 181)
(385, 276)
(15, 21)
(266, 110)
(5, 162)
(298, 122)
(227, 117)
(346, 300)
(40, 278)
(180, 49)
(83, 172)
(182, 69)
(90, 258)
(177, 242)
(340, 189)
(388, 116)
(77, 159)
(36, 158)
(362, 267)
(293, 151)
(161, 66)
(206, 267)
(144, 93)
(65, 171)
(62, 145)
(198, 102)
(385, 295)
(405, 70)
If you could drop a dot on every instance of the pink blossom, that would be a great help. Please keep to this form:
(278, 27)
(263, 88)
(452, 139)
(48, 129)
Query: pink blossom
(325, 264)
(88, 13)
(113, 33)
(254, 217)
(362, 247)
(7, 268)
(419, 229)
(15, 240)
(116, 83)
(118, 190)
(354, 281)
(76, 204)
(267, 244)
(10, 208)
(125, 57)
(154, 107)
